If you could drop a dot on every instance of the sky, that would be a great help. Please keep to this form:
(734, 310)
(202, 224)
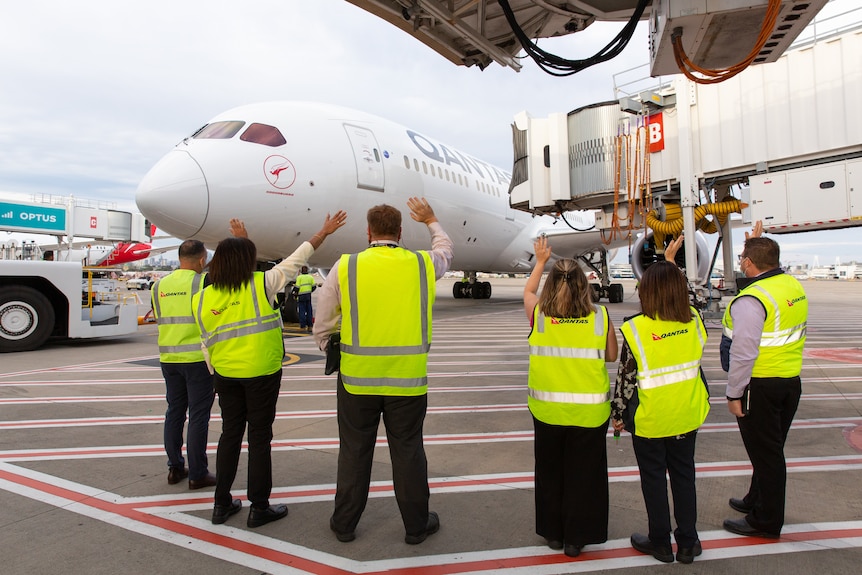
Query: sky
(93, 93)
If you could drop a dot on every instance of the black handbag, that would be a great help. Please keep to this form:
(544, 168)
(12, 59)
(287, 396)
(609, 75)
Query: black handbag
(333, 354)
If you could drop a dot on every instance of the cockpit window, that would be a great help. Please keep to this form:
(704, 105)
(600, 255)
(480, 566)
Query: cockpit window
(219, 130)
(263, 134)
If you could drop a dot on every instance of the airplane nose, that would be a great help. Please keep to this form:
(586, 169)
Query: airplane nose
(174, 195)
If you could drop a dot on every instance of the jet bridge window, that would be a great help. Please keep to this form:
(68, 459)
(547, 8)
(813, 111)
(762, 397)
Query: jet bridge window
(263, 134)
(219, 130)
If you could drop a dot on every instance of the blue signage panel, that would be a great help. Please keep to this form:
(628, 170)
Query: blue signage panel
(32, 218)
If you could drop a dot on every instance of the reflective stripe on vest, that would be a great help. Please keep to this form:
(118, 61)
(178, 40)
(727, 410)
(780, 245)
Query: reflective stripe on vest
(406, 365)
(672, 396)
(177, 344)
(569, 385)
(668, 375)
(251, 346)
(784, 332)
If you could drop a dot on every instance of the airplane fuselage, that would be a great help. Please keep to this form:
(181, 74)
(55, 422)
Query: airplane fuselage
(282, 166)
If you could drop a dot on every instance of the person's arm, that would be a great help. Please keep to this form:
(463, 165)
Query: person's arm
(672, 248)
(442, 250)
(625, 386)
(611, 346)
(237, 228)
(328, 309)
(756, 231)
(531, 291)
(748, 318)
(288, 268)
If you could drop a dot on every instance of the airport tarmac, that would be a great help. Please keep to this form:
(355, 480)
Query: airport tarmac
(83, 472)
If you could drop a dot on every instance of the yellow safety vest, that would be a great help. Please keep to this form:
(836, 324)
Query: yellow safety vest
(241, 331)
(783, 337)
(179, 336)
(672, 396)
(304, 282)
(386, 324)
(568, 378)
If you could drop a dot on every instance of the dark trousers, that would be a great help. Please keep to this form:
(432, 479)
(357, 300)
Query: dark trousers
(764, 430)
(250, 401)
(571, 478)
(676, 456)
(303, 307)
(188, 387)
(358, 420)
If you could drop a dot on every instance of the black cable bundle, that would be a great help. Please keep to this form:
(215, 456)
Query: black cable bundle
(557, 66)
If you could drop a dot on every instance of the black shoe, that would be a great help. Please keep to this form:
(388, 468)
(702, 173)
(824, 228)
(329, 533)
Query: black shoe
(222, 512)
(344, 537)
(743, 527)
(573, 550)
(740, 505)
(432, 527)
(554, 544)
(687, 554)
(177, 474)
(208, 480)
(258, 517)
(643, 544)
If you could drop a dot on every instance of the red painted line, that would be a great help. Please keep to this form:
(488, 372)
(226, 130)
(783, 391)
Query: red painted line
(131, 511)
(127, 511)
(438, 483)
(844, 355)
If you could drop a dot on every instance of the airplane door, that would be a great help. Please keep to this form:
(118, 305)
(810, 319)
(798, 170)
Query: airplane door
(366, 153)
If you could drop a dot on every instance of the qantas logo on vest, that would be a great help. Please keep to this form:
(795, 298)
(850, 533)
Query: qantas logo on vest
(172, 293)
(656, 337)
(220, 310)
(791, 302)
(559, 320)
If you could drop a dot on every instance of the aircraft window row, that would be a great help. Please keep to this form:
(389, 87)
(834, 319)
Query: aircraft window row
(219, 131)
(255, 133)
(263, 134)
(450, 177)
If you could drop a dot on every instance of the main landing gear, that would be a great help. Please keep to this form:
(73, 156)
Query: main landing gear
(471, 288)
(612, 292)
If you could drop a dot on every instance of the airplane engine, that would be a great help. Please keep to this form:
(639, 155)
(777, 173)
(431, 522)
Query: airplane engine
(644, 254)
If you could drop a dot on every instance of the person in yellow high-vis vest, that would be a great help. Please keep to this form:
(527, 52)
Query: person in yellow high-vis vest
(242, 340)
(188, 383)
(568, 396)
(304, 287)
(383, 297)
(662, 398)
(765, 325)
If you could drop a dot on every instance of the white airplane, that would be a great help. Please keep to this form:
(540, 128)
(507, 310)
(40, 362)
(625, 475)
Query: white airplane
(281, 166)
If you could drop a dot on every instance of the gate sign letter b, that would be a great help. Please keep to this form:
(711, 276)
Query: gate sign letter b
(655, 123)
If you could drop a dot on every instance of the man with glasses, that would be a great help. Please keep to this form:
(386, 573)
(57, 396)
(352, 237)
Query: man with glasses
(764, 334)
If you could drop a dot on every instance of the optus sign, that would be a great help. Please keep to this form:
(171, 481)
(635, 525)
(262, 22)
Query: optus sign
(32, 218)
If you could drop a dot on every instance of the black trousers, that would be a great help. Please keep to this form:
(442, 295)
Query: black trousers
(571, 478)
(764, 431)
(674, 455)
(358, 420)
(246, 401)
(188, 387)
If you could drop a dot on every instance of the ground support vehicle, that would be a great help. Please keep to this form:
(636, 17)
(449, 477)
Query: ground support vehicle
(42, 299)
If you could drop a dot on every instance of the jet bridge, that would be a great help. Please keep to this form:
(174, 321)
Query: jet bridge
(709, 33)
(780, 143)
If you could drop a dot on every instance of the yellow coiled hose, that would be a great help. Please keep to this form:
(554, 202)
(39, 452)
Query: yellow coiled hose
(673, 222)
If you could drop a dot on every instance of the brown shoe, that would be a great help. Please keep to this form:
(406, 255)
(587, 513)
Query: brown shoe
(177, 474)
(207, 480)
